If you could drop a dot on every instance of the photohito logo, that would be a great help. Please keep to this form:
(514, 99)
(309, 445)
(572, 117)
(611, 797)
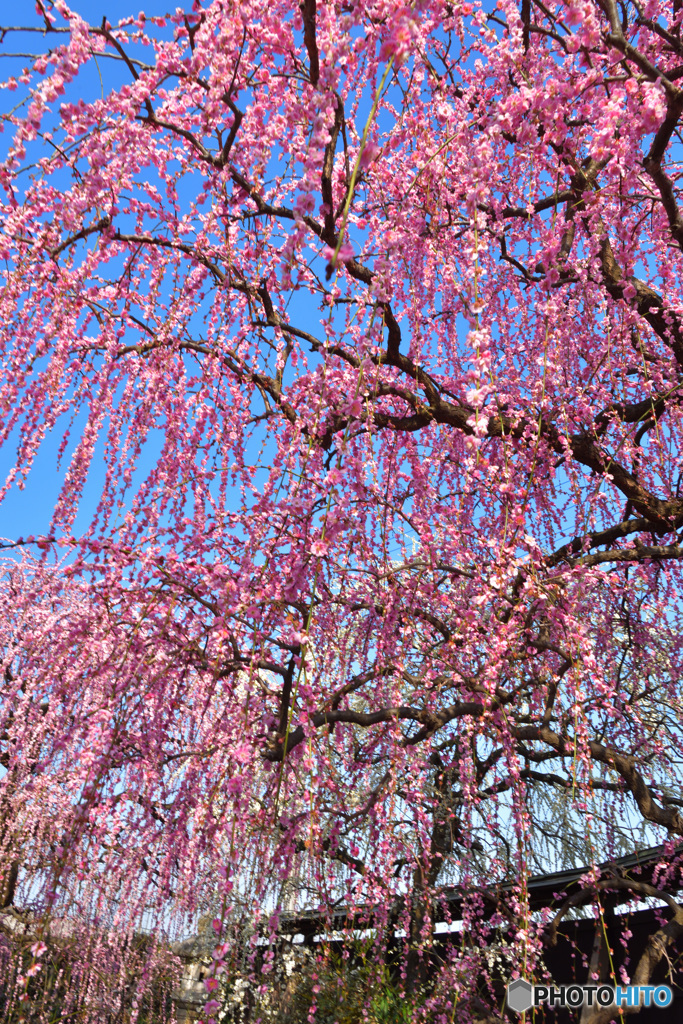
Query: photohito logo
(522, 995)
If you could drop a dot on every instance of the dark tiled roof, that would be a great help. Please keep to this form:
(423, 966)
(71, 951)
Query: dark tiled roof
(544, 891)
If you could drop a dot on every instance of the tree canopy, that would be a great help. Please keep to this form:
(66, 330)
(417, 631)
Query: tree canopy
(361, 327)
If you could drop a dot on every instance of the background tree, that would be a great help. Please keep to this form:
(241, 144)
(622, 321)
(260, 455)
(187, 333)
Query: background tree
(364, 323)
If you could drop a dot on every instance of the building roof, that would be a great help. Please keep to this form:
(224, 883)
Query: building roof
(548, 890)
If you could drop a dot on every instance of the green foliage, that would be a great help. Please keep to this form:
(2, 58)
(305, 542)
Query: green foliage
(343, 991)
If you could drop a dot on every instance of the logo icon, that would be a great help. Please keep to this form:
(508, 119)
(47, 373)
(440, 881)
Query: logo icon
(520, 995)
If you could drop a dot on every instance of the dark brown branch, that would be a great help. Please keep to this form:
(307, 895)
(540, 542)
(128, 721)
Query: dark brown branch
(432, 721)
(307, 8)
(101, 225)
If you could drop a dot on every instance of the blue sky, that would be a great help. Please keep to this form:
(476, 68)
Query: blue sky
(28, 512)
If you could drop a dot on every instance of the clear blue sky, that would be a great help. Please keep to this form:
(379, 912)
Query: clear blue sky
(28, 512)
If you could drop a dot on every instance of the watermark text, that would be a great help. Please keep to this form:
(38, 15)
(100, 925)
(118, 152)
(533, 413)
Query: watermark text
(522, 995)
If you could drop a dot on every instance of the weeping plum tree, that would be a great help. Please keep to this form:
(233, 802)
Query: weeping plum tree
(361, 328)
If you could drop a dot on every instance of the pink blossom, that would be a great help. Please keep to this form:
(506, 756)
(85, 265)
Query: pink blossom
(654, 106)
(334, 550)
(370, 152)
(234, 785)
(343, 256)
